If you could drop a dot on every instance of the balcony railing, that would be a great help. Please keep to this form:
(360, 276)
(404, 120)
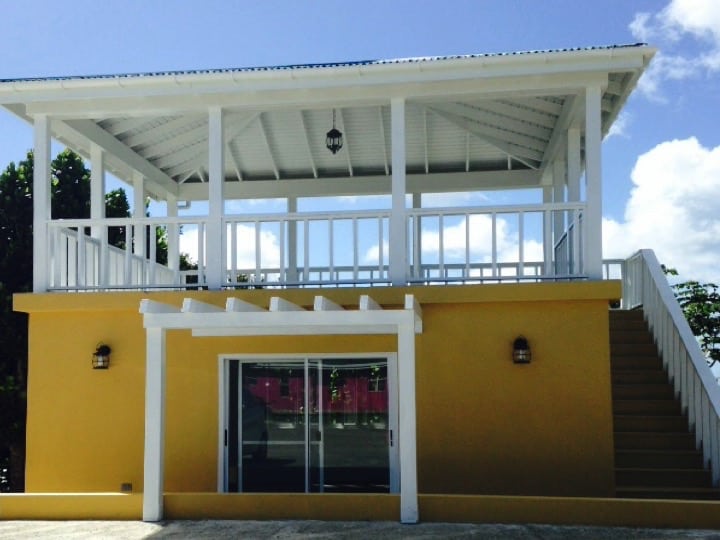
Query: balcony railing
(528, 242)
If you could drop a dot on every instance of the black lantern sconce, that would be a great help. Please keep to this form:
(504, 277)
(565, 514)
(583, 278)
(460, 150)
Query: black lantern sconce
(334, 138)
(521, 351)
(101, 357)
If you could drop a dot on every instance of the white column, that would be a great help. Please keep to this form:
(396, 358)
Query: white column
(154, 425)
(41, 204)
(292, 274)
(574, 164)
(398, 218)
(592, 220)
(408, 430)
(417, 236)
(97, 209)
(139, 212)
(97, 187)
(214, 245)
(547, 233)
(173, 234)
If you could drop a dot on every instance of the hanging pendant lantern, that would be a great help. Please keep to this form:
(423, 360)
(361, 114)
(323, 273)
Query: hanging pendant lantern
(334, 138)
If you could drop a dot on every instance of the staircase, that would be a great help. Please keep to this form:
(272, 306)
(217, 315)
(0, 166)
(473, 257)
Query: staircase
(655, 454)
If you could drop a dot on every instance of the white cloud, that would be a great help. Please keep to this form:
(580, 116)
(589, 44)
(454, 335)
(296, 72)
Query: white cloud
(620, 126)
(689, 33)
(673, 209)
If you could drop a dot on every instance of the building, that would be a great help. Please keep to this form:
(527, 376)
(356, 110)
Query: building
(361, 365)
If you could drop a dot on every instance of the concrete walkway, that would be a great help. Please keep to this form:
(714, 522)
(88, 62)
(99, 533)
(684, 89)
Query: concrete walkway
(132, 530)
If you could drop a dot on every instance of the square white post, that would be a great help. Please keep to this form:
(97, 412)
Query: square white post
(547, 233)
(574, 165)
(398, 216)
(408, 429)
(97, 210)
(41, 204)
(216, 171)
(154, 472)
(592, 221)
(139, 212)
(291, 274)
(173, 234)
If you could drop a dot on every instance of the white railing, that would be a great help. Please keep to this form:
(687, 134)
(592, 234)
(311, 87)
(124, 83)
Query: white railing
(486, 244)
(495, 243)
(645, 285)
(81, 260)
(310, 248)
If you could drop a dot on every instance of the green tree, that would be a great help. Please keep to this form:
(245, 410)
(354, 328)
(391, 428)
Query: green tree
(70, 199)
(700, 303)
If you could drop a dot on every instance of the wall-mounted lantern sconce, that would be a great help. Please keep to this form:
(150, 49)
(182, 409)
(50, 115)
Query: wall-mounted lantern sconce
(521, 351)
(101, 357)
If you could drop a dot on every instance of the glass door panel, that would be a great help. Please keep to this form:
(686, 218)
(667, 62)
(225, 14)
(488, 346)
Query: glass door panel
(273, 427)
(355, 425)
(314, 425)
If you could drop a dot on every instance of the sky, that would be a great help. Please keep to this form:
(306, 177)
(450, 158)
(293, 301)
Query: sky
(661, 162)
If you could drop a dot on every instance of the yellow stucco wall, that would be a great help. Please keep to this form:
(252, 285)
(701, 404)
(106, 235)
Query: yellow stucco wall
(485, 426)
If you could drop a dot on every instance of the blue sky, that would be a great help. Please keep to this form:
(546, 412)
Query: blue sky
(661, 166)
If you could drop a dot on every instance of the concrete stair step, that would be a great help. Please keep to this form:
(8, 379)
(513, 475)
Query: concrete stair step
(635, 362)
(642, 440)
(633, 349)
(647, 492)
(654, 407)
(638, 336)
(647, 423)
(668, 478)
(638, 376)
(659, 459)
(643, 391)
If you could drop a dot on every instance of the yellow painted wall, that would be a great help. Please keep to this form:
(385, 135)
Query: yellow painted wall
(485, 426)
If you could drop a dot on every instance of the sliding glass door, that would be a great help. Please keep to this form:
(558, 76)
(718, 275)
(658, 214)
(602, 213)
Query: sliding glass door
(310, 425)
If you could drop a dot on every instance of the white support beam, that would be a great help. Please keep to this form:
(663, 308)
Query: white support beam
(280, 304)
(215, 260)
(154, 457)
(412, 305)
(383, 140)
(346, 142)
(235, 305)
(292, 266)
(94, 133)
(323, 303)
(152, 307)
(190, 305)
(398, 217)
(592, 220)
(268, 147)
(369, 185)
(97, 187)
(308, 150)
(41, 203)
(368, 304)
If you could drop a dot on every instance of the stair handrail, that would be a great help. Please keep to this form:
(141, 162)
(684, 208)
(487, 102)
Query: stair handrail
(645, 285)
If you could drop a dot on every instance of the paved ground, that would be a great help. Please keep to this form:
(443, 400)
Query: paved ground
(132, 530)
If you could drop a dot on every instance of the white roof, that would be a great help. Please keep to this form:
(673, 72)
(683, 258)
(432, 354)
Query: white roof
(465, 115)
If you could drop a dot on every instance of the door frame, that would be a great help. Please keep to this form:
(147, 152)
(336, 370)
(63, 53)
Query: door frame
(393, 404)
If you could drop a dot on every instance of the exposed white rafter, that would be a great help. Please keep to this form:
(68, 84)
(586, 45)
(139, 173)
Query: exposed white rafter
(311, 159)
(268, 147)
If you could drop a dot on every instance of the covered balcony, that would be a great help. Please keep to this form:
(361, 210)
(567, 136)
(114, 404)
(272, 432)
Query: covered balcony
(465, 169)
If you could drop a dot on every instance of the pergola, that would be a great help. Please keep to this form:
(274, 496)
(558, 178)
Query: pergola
(410, 127)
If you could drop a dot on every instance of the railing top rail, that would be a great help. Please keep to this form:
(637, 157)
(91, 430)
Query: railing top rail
(668, 298)
(301, 216)
(498, 209)
(122, 222)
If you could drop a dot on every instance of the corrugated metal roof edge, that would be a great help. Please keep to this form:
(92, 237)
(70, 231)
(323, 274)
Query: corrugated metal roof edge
(315, 66)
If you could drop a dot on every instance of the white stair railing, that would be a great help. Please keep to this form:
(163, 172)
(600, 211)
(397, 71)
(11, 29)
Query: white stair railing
(645, 285)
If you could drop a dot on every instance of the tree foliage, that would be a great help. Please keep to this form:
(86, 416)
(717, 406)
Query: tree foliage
(700, 303)
(70, 193)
